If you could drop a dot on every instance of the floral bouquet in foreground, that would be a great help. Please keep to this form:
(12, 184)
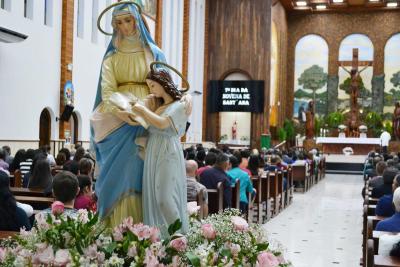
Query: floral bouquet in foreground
(61, 239)
(226, 239)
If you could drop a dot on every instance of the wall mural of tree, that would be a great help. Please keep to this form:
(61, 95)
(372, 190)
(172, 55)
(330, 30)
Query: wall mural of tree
(311, 67)
(392, 75)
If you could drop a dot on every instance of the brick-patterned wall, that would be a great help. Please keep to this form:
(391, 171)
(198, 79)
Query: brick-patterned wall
(238, 38)
(379, 26)
(67, 36)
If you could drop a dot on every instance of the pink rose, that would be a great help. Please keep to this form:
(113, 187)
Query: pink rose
(154, 234)
(267, 259)
(101, 257)
(91, 252)
(179, 244)
(208, 231)
(239, 223)
(57, 208)
(117, 234)
(62, 257)
(2, 254)
(46, 256)
(132, 251)
(142, 232)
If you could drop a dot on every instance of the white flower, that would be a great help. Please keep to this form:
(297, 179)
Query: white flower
(192, 208)
(115, 261)
(46, 256)
(83, 215)
(20, 262)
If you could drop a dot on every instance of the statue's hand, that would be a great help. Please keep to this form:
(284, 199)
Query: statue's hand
(151, 102)
(138, 108)
(187, 100)
(126, 117)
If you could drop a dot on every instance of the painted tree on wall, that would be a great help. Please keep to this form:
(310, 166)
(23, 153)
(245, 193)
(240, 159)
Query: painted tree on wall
(363, 92)
(314, 78)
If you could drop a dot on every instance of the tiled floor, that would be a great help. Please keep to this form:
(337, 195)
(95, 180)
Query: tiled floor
(322, 227)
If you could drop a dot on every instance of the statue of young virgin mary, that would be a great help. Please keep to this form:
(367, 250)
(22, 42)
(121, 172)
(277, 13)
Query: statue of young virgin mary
(115, 133)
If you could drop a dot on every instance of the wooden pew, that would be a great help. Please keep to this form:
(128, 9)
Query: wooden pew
(265, 197)
(21, 191)
(274, 192)
(17, 178)
(281, 192)
(36, 202)
(299, 174)
(379, 260)
(290, 186)
(216, 199)
(236, 195)
(7, 234)
(376, 235)
(200, 202)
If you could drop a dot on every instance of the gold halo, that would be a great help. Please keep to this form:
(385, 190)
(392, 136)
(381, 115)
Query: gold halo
(111, 6)
(174, 70)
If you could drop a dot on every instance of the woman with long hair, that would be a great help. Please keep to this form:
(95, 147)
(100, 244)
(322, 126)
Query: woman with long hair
(18, 158)
(41, 177)
(12, 217)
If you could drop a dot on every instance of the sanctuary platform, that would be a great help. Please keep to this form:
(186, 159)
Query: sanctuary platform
(360, 146)
(345, 164)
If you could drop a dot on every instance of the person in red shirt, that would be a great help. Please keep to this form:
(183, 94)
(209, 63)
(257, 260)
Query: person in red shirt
(85, 200)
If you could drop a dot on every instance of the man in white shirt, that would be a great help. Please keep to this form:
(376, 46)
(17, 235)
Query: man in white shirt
(385, 138)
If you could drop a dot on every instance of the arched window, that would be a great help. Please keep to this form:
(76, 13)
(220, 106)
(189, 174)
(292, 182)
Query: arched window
(392, 74)
(365, 52)
(311, 68)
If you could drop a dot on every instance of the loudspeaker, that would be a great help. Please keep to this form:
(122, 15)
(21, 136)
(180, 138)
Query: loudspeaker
(66, 115)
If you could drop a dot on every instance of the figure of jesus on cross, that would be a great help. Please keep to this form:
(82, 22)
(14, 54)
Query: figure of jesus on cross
(354, 88)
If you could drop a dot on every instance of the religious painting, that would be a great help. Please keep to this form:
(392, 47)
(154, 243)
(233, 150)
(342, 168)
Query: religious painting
(365, 53)
(392, 75)
(273, 95)
(311, 71)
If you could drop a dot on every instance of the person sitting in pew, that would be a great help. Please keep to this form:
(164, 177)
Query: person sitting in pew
(254, 165)
(193, 186)
(65, 190)
(246, 185)
(211, 177)
(377, 180)
(41, 177)
(85, 200)
(370, 169)
(210, 160)
(384, 207)
(12, 217)
(386, 188)
(276, 165)
(392, 224)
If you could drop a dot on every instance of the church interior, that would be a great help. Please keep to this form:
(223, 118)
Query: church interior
(200, 133)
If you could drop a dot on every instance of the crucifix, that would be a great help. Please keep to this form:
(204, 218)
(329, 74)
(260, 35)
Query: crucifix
(354, 88)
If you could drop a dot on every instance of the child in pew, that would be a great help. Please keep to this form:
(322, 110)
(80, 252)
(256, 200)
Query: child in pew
(65, 190)
(85, 200)
(392, 224)
(12, 217)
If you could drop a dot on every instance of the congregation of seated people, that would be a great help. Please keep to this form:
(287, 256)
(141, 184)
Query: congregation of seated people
(205, 169)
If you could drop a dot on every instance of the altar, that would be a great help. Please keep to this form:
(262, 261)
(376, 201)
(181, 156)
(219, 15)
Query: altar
(360, 146)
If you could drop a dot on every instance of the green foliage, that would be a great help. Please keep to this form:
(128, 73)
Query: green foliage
(388, 126)
(281, 134)
(334, 119)
(288, 126)
(373, 121)
(395, 80)
(318, 123)
(313, 78)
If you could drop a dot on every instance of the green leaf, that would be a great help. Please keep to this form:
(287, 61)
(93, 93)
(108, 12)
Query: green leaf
(111, 247)
(174, 227)
(194, 260)
(226, 253)
(262, 246)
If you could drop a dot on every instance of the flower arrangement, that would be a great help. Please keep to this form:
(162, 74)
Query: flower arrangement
(223, 239)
